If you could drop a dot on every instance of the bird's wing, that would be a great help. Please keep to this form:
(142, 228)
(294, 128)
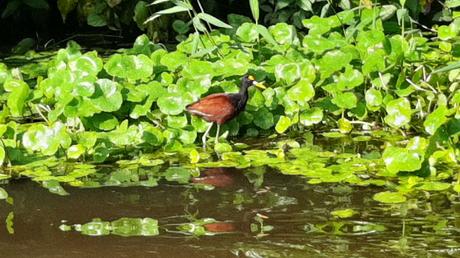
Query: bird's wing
(212, 106)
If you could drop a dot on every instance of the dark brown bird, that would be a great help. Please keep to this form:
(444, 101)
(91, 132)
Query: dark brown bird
(221, 107)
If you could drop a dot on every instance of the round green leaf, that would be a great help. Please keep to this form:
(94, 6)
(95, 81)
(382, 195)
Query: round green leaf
(288, 73)
(152, 136)
(222, 147)
(247, 32)
(389, 197)
(435, 119)
(398, 112)
(177, 121)
(171, 104)
(283, 124)
(173, 60)
(311, 116)
(302, 92)
(107, 96)
(104, 121)
(283, 33)
(87, 64)
(401, 159)
(345, 100)
(345, 213)
(373, 98)
(75, 151)
(264, 119)
(317, 44)
(19, 91)
(344, 125)
(333, 61)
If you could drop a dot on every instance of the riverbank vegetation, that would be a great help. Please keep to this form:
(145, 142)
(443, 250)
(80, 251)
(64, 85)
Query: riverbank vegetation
(365, 72)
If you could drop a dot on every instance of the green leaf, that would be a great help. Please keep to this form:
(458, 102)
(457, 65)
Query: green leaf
(448, 68)
(213, 20)
(398, 112)
(171, 104)
(152, 136)
(401, 159)
(374, 62)
(344, 125)
(452, 3)
(65, 7)
(11, 7)
(445, 32)
(263, 31)
(373, 98)
(180, 26)
(96, 20)
(264, 119)
(19, 91)
(317, 25)
(288, 73)
(345, 100)
(2, 155)
(283, 124)
(283, 33)
(107, 97)
(3, 194)
(311, 116)
(350, 79)
(178, 174)
(317, 44)
(194, 156)
(187, 136)
(54, 187)
(434, 186)
(132, 67)
(222, 147)
(141, 12)
(173, 60)
(37, 4)
(301, 92)
(333, 61)
(174, 9)
(389, 197)
(87, 139)
(104, 121)
(75, 151)
(254, 5)
(345, 213)
(247, 32)
(177, 121)
(435, 119)
(87, 64)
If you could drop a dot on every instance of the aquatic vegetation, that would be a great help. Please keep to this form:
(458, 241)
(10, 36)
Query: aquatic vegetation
(341, 75)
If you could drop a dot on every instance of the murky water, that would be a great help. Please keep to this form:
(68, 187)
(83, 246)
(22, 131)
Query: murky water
(256, 214)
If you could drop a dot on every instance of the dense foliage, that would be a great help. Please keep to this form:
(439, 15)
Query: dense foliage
(33, 18)
(340, 74)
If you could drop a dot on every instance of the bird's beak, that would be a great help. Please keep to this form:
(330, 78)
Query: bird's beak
(259, 84)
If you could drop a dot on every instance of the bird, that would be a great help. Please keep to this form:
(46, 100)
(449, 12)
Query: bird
(220, 108)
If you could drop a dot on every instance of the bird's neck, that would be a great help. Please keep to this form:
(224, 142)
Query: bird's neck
(243, 97)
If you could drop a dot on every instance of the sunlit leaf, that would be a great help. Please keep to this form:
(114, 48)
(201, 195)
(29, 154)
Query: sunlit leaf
(389, 197)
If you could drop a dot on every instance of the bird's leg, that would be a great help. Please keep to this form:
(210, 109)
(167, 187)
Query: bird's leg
(217, 134)
(205, 135)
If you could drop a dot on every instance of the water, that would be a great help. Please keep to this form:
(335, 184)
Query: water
(295, 216)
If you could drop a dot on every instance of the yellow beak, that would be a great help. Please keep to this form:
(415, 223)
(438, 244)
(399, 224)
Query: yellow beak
(259, 84)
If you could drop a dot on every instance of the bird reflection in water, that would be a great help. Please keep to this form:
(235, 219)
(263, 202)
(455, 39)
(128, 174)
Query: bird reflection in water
(219, 177)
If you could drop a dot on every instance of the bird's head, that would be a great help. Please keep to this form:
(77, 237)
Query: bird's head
(249, 80)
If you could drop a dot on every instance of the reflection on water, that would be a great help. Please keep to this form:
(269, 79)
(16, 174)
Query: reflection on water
(248, 213)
